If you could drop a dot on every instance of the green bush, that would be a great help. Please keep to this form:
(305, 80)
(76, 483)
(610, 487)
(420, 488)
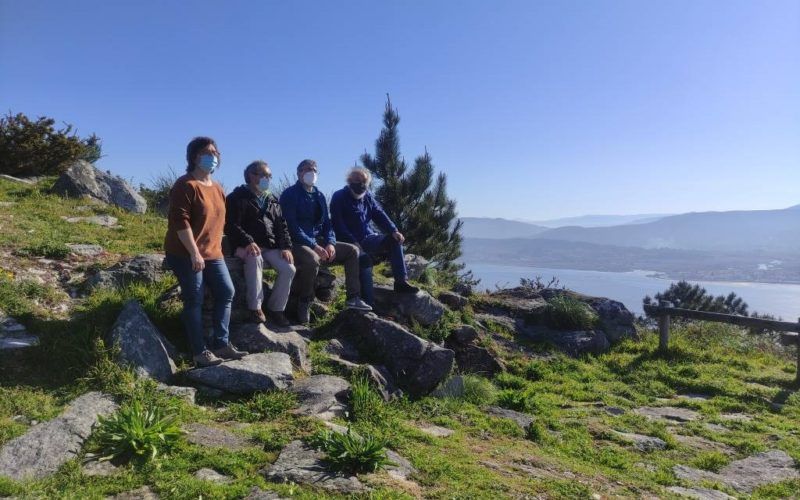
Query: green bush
(262, 406)
(478, 390)
(366, 404)
(710, 460)
(33, 148)
(353, 453)
(567, 313)
(136, 432)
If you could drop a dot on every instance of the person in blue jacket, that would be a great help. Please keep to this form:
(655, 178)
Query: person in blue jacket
(313, 241)
(353, 208)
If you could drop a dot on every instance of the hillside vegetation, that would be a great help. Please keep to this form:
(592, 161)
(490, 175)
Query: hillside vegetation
(739, 385)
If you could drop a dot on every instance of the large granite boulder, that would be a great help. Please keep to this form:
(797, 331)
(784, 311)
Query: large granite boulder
(416, 364)
(253, 373)
(83, 179)
(254, 337)
(146, 268)
(407, 307)
(48, 445)
(141, 344)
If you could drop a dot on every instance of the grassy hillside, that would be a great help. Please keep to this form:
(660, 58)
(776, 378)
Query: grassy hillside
(571, 450)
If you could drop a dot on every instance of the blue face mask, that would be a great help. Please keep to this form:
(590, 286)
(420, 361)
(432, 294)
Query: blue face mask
(208, 163)
(263, 184)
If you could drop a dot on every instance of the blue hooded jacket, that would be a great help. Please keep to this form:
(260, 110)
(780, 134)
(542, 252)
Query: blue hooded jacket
(307, 216)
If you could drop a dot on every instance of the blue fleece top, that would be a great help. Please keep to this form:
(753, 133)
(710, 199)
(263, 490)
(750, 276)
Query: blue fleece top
(351, 217)
(307, 216)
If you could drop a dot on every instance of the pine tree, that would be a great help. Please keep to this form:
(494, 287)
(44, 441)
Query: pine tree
(418, 206)
(687, 296)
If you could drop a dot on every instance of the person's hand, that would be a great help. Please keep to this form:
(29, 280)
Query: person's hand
(287, 256)
(397, 235)
(253, 249)
(331, 252)
(323, 254)
(198, 264)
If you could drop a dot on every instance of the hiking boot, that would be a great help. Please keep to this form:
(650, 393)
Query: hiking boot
(357, 303)
(230, 352)
(304, 311)
(405, 287)
(256, 316)
(206, 358)
(278, 318)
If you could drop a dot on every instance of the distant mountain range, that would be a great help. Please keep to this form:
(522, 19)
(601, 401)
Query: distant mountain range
(599, 220)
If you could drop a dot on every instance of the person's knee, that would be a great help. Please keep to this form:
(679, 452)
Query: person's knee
(364, 261)
(192, 296)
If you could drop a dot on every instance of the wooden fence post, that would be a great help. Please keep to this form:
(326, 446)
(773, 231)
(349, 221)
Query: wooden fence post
(663, 328)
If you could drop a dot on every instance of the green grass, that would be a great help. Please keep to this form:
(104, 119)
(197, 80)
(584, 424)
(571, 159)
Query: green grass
(567, 313)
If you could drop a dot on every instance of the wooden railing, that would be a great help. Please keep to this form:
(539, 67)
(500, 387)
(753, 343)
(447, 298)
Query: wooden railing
(790, 332)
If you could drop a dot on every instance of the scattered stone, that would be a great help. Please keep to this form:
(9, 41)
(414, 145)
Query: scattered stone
(86, 250)
(187, 393)
(46, 446)
(736, 417)
(407, 307)
(258, 494)
(453, 300)
(747, 474)
(641, 442)
(302, 464)
(258, 338)
(716, 428)
(255, 372)
(416, 365)
(17, 179)
(523, 420)
(147, 268)
(695, 475)
(206, 474)
(415, 266)
(100, 220)
(215, 437)
(401, 469)
(700, 493)
(614, 410)
(694, 397)
(668, 413)
(143, 493)
(141, 345)
(436, 431)
(96, 468)
(322, 396)
(83, 179)
(702, 444)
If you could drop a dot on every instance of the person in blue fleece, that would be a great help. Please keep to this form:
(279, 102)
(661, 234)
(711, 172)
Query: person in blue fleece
(353, 208)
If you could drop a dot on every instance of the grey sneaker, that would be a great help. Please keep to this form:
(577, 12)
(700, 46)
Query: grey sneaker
(206, 358)
(304, 311)
(357, 303)
(229, 352)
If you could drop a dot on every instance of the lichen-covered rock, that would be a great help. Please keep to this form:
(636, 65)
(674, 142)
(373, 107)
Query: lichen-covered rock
(471, 357)
(147, 268)
(300, 463)
(406, 307)
(415, 266)
(141, 345)
(48, 445)
(322, 396)
(255, 372)
(254, 337)
(83, 179)
(453, 300)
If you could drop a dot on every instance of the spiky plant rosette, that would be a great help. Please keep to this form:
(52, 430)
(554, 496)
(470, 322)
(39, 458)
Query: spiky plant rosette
(137, 432)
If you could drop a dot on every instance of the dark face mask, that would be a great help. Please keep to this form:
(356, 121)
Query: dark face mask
(358, 187)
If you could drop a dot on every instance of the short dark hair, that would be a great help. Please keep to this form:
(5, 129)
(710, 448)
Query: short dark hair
(253, 168)
(194, 147)
(306, 163)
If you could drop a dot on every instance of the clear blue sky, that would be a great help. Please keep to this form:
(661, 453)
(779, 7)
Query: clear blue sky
(533, 109)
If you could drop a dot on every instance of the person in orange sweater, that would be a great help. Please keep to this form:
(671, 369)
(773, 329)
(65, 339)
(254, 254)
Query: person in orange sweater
(193, 245)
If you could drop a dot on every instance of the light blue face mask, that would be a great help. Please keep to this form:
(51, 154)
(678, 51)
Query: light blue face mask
(263, 184)
(208, 163)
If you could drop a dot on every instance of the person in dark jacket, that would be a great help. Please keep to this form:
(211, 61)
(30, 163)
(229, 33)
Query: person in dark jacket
(256, 228)
(353, 208)
(313, 241)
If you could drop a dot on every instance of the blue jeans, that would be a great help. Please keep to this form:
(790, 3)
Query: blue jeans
(374, 245)
(216, 276)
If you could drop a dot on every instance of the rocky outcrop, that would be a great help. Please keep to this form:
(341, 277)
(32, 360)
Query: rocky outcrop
(416, 365)
(470, 356)
(83, 179)
(141, 345)
(453, 300)
(322, 396)
(146, 268)
(258, 338)
(48, 445)
(406, 307)
(255, 372)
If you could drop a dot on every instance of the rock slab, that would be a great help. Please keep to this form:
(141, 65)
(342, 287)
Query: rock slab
(303, 464)
(255, 372)
(322, 396)
(48, 445)
(141, 344)
(146, 268)
(83, 179)
(747, 474)
(258, 338)
(406, 307)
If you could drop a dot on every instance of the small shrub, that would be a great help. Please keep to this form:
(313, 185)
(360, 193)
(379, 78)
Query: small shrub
(512, 399)
(537, 433)
(567, 313)
(353, 453)
(56, 251)
(536, 370)
(509, 381)
(478, 390)
(366, 404)
(710, 460)
(262, 406)
(137, 432)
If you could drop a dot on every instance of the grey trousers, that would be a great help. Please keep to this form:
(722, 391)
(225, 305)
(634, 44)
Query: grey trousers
(307, 262)
(253, 276)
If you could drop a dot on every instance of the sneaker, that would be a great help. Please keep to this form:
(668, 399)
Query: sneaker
(206, 358)
(357, 303)
(278, 318)
(229, 352)
(405, 287)
(256, 316)
(304, 311)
